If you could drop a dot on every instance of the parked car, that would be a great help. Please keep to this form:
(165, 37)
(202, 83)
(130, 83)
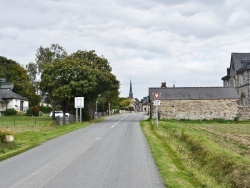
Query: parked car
(58, 113)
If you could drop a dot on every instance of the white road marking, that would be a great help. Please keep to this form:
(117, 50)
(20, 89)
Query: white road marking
(118, 122)
(34, 173)
(66, 165)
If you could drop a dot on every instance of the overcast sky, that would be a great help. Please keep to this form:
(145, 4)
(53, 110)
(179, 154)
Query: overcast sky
(183, 42)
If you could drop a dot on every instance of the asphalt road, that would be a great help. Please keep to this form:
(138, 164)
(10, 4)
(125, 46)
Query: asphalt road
(110, 154)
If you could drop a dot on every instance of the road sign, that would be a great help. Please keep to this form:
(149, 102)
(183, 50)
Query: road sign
(157, 102)
(79, 102)
(2, 79)
(156, 95)
(6, 85)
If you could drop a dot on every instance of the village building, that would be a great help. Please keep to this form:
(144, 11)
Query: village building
(144, 105)
(134, 105)
(195, 103)
(238, 76)
(9, 99)
(229, 102)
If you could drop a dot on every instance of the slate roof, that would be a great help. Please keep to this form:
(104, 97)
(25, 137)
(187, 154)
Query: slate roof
(236, 59)
(7, 94)
(194, 93)
(2, 100)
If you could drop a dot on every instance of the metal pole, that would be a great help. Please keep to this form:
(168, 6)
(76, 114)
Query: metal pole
(157, 115)
(76, 115)
(81, 115)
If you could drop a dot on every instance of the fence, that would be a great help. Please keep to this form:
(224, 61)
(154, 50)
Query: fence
(14, 121)
(19, 121)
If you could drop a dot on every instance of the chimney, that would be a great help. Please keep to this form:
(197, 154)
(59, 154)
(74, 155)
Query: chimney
(163, 84)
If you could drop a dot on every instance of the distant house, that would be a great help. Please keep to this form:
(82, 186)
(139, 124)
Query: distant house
(144, 104)
(195, 103)
(238, 76)
(9, 99)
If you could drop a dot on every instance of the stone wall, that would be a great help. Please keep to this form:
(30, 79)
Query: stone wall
(198, 109)
(244, 113)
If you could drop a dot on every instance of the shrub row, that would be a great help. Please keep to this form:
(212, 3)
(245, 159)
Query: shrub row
(34, 111)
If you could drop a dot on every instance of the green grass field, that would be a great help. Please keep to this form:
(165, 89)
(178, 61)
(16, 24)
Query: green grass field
(201, 153)
(31, 131)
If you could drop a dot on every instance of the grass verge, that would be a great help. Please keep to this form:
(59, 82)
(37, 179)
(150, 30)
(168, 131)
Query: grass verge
(27, 137)
(188, 155)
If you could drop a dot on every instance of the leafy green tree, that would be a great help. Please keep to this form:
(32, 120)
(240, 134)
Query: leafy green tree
(45, 56)
(106, 82)
(32, 71)
(15, 73)
(124, 103)
(81, 74)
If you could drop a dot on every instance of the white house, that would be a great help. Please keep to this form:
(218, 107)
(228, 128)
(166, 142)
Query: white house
(9, 99)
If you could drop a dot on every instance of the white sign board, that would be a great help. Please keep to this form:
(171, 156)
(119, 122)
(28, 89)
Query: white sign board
(79, 102)
(157, 102)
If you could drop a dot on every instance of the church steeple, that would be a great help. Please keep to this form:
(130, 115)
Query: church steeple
(130, 91)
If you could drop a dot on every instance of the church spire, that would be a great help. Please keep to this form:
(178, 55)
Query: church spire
(130, 91)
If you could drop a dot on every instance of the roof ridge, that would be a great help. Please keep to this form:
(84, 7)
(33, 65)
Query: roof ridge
(191, 87)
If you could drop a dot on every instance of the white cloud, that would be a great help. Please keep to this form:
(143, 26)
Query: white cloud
(188, 43)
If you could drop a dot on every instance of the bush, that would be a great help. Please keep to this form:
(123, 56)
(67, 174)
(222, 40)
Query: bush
(10, 112)
(34, 111)
(20, 113)
(29, 112)
(45, 109)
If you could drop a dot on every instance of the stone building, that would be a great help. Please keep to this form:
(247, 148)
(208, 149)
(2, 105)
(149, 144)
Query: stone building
(238, 76)
(196, 103)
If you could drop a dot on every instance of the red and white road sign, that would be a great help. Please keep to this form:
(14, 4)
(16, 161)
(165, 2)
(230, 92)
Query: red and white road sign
(156, 95)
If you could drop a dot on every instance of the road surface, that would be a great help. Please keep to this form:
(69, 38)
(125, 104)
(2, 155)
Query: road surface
(109, 154)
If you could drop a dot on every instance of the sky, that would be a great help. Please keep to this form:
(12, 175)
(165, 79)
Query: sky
(186, 43)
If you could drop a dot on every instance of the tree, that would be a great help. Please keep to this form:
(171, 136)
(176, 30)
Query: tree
(81, 74)
(15, 73)
(32, 71)
(107, 84)
(124, 103)
(45, 56)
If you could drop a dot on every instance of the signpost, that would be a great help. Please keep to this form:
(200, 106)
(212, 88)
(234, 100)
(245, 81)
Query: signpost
(2, 79)
(157, 103)
(156, 95)
(79, 103)
(5, 85)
